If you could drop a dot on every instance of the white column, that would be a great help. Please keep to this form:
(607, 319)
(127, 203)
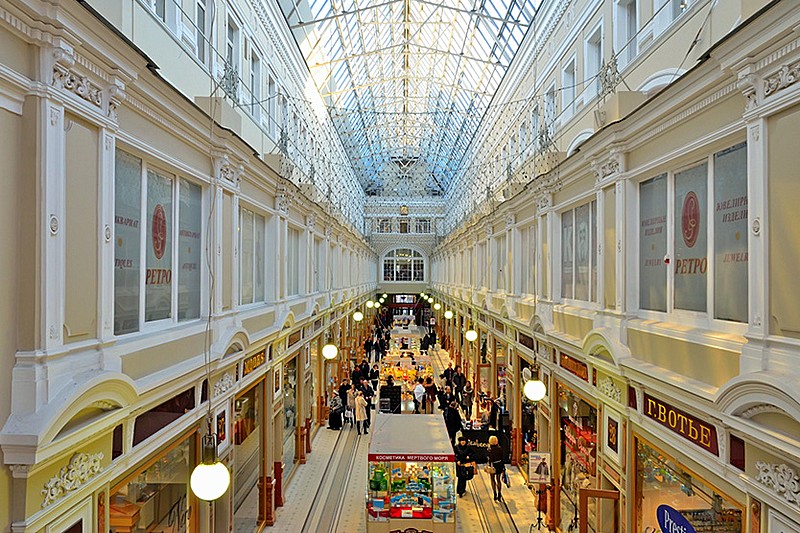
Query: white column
(52, 183)
(105, 268)
(217, 200)
(236, 266)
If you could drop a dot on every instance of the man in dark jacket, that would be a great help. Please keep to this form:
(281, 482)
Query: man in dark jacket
(369, 395)
(465, 459)
(452, 420)
(459, 380)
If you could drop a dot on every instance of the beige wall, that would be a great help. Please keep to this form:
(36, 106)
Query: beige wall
(12, 180)
(572, 325)
(702, 363)
(81, 232)
(784, 231)
(149, 361)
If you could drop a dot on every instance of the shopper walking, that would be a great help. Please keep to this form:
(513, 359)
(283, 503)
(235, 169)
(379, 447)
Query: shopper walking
(431, 393)
(496, 467)
(374, 375)
(465, 464)
(369, 395)
(459, 382)
(467, 398)
(361, 413)
(452, 420)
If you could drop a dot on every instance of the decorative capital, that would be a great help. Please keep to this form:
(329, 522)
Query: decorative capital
(311, 221)
(81, 468)
(226, 169)
(115, 95)
(544, 201)
(782, 479)
(613, 165)
(511, 219)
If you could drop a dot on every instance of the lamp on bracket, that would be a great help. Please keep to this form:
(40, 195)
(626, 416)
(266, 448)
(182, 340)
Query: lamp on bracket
(534, 389)
(330, 351)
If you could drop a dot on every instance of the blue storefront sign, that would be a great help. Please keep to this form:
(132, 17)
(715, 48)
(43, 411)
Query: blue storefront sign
(672, 521)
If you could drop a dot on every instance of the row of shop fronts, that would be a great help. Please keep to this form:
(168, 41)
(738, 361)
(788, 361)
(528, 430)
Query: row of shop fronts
(267, 403)
(635, 456)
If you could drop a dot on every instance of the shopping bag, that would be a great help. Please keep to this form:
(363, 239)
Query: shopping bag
(505, 479)
(489, 469)
(469, 470)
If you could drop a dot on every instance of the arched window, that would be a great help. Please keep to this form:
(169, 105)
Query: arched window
(403, 264)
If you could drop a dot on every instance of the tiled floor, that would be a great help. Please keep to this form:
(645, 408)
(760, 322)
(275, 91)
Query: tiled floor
(476, 512)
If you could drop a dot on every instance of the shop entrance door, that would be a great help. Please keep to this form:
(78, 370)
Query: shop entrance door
(583, 507)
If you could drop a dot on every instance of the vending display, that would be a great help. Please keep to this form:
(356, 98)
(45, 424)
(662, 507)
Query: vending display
(411, 474)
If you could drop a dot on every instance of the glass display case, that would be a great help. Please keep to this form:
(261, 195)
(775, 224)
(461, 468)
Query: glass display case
(411, 477)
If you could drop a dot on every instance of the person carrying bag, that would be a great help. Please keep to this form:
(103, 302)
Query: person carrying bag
(465, 464)
(496, 467)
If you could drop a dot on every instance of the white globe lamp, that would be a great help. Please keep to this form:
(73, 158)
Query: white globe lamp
(534, 390)
(377, 305)
(385, 295)
(471, 335)
(370, 304)
(437, 306)
(358, 316)
(210, 479)
(330, 351)
(448, 314)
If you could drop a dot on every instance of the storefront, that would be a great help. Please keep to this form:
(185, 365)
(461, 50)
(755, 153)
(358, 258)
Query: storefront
(666, 491)
(156, 497)
(577, 456)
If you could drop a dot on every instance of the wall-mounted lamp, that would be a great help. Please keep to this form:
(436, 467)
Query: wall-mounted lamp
(448, 314)
(471, 335)
(358, 316)
(330, 351)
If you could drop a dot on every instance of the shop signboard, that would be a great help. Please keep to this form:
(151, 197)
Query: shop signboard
(687, 426)
(254, 361)
(672, 521)
(478, 440)
(574, 366)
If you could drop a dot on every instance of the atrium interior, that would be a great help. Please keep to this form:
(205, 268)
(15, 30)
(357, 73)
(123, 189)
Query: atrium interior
(214, 209)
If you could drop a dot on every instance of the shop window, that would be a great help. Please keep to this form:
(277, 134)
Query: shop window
(677, 246)
(289, 415)
(423, 225)
(247, 450)
(579, 253)
(145, 233)
(404, 225)
(252, 246)
(661, 481)
(578, 421)
(157, 498)
(293, 270)
(162, 415)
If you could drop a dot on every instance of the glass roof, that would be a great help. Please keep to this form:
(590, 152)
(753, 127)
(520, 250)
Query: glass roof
(408, 81)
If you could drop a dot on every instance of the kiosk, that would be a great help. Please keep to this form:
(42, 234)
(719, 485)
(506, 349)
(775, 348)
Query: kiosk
(411, 479)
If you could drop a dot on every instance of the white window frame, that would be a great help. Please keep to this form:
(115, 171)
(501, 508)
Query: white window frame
(592, 63)
(568, 85)
(626, 31)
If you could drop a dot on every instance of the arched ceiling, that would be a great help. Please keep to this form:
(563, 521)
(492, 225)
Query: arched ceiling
(407, 82)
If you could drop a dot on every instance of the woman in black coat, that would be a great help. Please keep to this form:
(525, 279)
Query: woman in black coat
(497, 462)
(464, 459)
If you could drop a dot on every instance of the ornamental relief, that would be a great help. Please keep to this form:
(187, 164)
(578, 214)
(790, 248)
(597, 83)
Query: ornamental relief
(81, 468)
(610, 389)
(782, 479)
(63, 78)
(786, 76)
(224, 384)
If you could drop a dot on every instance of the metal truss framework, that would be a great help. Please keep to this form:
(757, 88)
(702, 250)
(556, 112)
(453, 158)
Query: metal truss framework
(407, 82)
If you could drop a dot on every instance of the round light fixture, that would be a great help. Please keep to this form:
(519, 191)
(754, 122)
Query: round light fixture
(534, 390)
(358, 316)
(437, 306)
(381, 300)
(385, 295)
(448, 314)
(471, 335)
(430, 299)
(210, 479)
(330, 351)
(422, 294)
(377, 305)
(370, 304)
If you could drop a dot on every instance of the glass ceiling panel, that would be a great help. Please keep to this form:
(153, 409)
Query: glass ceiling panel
(407, 82)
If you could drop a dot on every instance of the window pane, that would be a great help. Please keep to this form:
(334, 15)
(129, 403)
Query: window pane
(388, 270)
(566, 254)
(189, 234)
(730, 234)
(691, 238)
(593, 249)
(246, 254)
(258, 260)
(127, 211)
(653, 244)
(158, 251)
(582, 246)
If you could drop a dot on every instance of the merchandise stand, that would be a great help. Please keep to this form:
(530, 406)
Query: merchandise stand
(411, 479)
